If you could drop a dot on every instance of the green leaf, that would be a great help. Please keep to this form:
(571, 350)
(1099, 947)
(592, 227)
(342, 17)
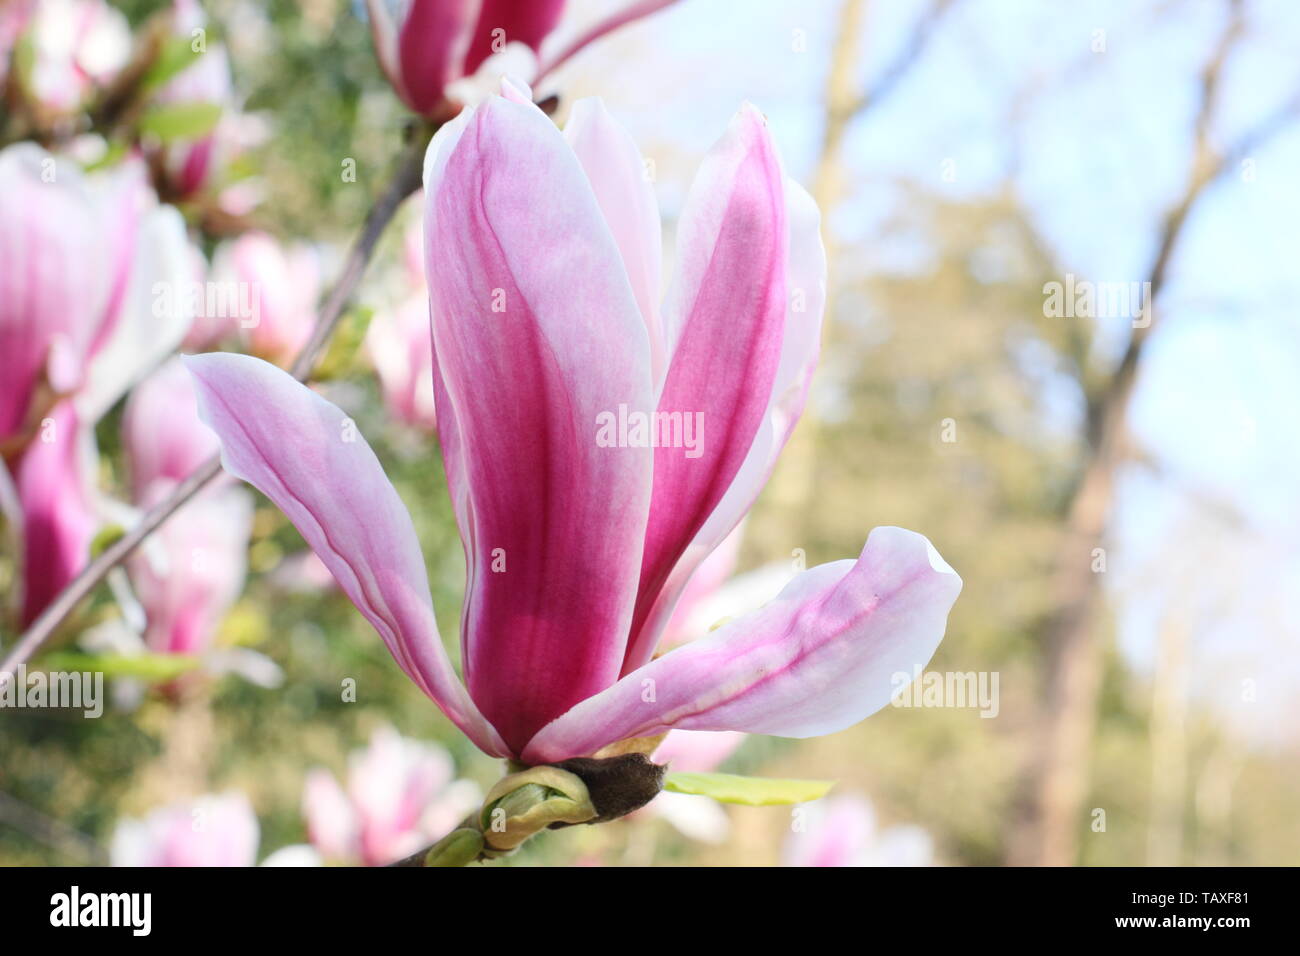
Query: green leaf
(105, 538)
(180, 120)
(154, 668)
(751, 791)
(115, 153)
(175, 57)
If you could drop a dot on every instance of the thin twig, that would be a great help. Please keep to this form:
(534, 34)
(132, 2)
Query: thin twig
(406, 182)
(63, 838)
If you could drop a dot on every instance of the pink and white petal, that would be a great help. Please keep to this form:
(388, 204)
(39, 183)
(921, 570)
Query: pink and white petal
(726, 319)
(838, 831)
(56, 280)
(618, 176)
(806, 300)
(701, 594)
(53, 482)
(509, 21)
(383, 34)
(821, 657)
(536, 334)
(306, 456)
(146, 332)
(431, 47)
(554, 55)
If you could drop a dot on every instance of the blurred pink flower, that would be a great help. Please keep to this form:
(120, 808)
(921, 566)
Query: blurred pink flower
(543, 258)
(400, 796)
(161, 431)
(841, 831)
(214, 830)
(695, 751)
(192, 570)
(53, 477)
(702, 590)
(67, 243)
(399, 345)
(282, 285)
(77, 328)
(425, 46)
(190, 164)
(75, 46)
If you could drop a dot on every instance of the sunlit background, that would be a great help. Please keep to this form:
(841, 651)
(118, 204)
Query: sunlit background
(1117, 491)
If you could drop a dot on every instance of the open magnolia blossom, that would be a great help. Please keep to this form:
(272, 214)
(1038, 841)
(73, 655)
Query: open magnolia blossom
(79, 325)
(435, 52)
(543, 261)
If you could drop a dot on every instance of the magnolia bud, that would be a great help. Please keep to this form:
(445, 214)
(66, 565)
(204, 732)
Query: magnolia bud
(525, 803)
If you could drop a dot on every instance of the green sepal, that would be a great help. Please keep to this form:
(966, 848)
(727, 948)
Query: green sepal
(750, 791)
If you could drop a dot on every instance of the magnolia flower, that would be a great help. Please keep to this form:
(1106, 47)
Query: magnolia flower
(161, 433)
(399, 345)
(78, 325)
(551, 352)
(192, 569)
(189, 164)
(430, 46)
(53, 480)
(400, 795)
(214, 830)
(270, 293)
(75, 46)
(67, 243)
(841, 831)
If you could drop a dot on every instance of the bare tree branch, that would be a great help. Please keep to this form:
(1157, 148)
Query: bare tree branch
(1053, 790)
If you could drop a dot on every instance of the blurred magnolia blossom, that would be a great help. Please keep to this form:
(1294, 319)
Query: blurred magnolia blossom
(212, 830)
(695, 751)
(82, 257)
(301, 573)
(440, 55)
(399, 344)
(189, 164)
(58, 52)
(264, 292)
(703, 590)
(841, 830)
(192, 570)
(399, 347)
(577, 554)
(400, 795)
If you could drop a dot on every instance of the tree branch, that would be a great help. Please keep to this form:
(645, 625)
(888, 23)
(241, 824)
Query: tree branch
(1056, 781)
